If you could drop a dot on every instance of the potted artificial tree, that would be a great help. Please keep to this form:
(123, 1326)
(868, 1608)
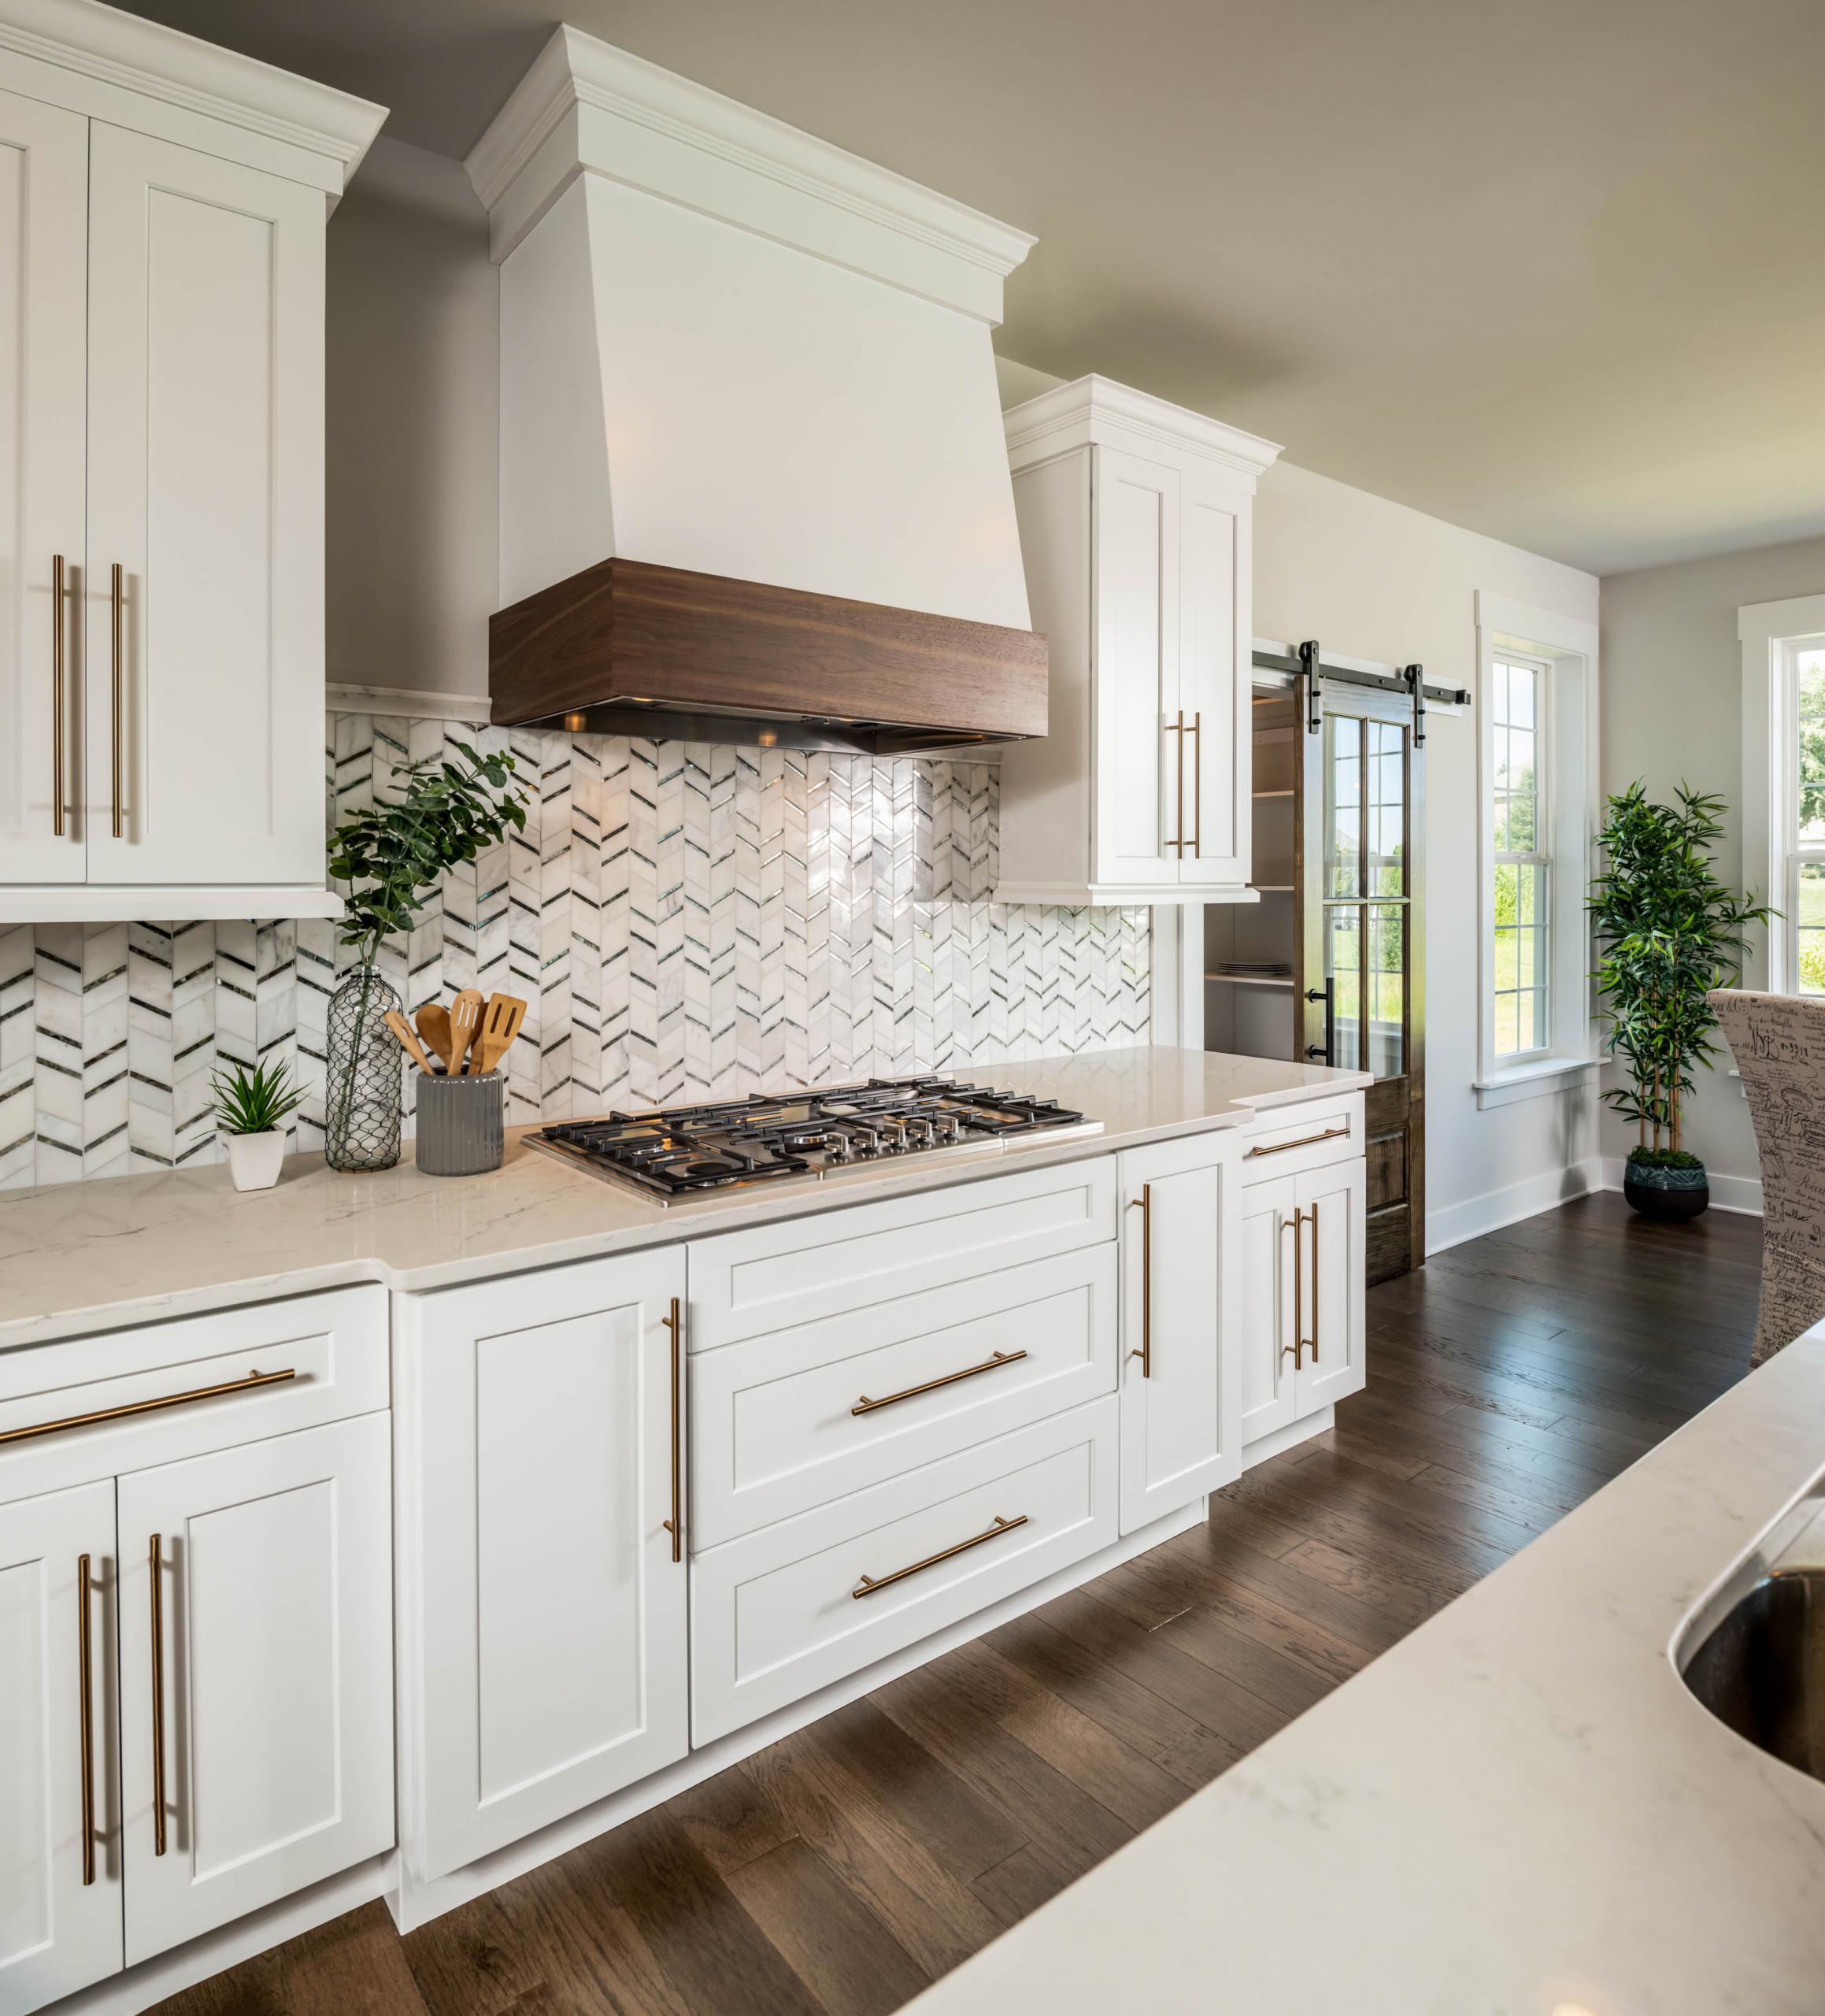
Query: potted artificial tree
(252, 1108)
(391, 855)
(1667, 932)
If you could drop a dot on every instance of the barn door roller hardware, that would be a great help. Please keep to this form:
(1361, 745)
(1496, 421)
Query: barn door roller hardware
(1410, 680)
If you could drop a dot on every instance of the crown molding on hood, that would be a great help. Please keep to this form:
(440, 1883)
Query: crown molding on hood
(586, 106)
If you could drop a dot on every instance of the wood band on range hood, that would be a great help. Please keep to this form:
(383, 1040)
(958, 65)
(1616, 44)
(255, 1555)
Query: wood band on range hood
(625, 646)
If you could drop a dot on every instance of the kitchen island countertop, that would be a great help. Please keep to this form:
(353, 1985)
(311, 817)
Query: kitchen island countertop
(86, 1256)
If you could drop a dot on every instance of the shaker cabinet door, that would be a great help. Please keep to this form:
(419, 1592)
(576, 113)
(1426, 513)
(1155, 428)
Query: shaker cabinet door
(1215, 688)
(1333, 1266)
(206, 493)
(548, 1619)
(1266, 1344)
(43, 306)
(60, 1901)
(256, 1675)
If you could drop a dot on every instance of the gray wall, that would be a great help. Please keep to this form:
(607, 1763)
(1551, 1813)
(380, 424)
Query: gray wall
(413, 420)
(1672, 698)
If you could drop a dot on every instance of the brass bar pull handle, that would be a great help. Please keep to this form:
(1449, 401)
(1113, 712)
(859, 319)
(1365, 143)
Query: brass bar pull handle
(148, 1406)
(56, 696)
(1312, 1340)
(86, 1725)
(1144, 1204)
(1298, 1295)
(869, 1586)
(117, 595)
(1291, 1225)
(1303, 1141)
(1178, 728)
(866, 1405)
(673, 1321)
(1197, 787)
(156, 1563)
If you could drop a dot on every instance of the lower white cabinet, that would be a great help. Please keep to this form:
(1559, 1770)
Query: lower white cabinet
(1181, 1421)
(542, 1546)
(256, 1675)
(1334, 1201)
(60, 1866)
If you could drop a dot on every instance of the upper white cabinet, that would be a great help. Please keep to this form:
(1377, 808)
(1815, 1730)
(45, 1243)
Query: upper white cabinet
(1134, 521)
(163, 209)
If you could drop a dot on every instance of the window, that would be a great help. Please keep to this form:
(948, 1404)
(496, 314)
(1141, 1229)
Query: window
(1521, 964)
(1537, 710)
(1783, 791)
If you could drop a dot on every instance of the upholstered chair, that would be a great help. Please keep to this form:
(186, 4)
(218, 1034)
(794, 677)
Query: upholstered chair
(1779, 1043)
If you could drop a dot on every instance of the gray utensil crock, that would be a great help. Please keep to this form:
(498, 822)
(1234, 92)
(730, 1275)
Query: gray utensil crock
(459, 1127)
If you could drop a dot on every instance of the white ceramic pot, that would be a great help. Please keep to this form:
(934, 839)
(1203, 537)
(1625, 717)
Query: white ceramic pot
(253, 1159)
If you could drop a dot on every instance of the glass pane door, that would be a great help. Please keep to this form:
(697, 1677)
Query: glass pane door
(1364, 890)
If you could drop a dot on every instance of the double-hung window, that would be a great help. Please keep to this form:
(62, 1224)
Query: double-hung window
(1522, 962)
(1783, 785)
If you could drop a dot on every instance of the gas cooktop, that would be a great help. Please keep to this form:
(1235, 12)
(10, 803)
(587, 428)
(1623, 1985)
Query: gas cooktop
(685, 1150)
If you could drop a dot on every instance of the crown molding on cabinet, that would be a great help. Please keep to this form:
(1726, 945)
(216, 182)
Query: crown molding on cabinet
(1094, 408)
(586, 106)
(296, 127)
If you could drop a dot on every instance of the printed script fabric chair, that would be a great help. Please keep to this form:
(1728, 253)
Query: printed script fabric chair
(1779, 1043)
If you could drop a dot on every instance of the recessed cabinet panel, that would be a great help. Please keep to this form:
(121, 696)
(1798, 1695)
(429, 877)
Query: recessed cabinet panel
(1333, 1268)
(1216, 703)
(60, 1922)
(1266, 1340)
(43, 226)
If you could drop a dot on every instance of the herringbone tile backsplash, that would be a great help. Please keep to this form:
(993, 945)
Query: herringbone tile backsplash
(685, 920)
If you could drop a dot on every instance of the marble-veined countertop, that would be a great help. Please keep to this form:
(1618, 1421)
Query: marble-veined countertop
(1518, 1810)
(87, 1256)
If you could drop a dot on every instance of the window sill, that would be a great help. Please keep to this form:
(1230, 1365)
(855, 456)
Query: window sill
(1533, 1080)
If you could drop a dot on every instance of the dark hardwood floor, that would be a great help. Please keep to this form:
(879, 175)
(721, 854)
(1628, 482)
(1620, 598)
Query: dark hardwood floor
(838, 1872)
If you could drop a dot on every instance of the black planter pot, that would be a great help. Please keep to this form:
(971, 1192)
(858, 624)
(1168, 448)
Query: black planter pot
(1666, 1193)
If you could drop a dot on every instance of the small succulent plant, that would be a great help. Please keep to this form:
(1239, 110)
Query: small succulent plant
(254, 1102)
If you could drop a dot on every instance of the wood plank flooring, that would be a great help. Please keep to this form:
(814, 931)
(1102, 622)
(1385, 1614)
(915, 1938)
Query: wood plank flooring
(838, 1872)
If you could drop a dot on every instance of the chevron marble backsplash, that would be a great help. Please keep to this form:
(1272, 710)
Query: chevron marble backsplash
(686, 921)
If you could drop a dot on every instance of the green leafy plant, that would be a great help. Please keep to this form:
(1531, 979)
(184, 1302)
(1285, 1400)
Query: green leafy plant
(1663, 1158)
(254, 1102)
(1668, 932)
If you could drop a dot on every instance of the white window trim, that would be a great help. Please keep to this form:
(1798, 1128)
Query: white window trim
(1568, 648)
(1766, 630)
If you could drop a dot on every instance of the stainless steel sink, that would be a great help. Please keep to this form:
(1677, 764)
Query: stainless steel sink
(1759, 1665)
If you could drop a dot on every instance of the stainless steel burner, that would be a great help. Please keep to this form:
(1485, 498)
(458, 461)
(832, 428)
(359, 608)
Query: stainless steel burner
(682, 1151)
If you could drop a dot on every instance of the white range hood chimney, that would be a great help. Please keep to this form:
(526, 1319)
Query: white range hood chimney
(730, 348)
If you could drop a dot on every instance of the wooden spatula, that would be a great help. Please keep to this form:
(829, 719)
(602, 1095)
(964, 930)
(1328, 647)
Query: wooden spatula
(500, 1025)
(465, 1019)
(408, 1041)
(433, 1021)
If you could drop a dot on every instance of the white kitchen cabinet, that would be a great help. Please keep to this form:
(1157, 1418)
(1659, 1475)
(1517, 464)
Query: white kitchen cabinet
(256, 1675)
(60, 1901)
(1134, 521)
(1335, 1202)
(163, 208)
(542, 1514)
(1269, 1334)
(1181, 1422)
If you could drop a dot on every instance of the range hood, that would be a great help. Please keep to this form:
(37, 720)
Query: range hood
(754, 484)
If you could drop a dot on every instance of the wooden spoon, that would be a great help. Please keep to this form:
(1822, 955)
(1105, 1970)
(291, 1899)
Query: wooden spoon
(465, 1018)
(499, 1027)
(408, 1041)
(433, 1021)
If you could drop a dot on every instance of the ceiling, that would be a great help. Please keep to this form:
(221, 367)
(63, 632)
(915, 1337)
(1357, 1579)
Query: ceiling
(1554, 271)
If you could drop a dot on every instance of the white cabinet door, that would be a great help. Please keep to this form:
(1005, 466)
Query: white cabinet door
(59, 1913)
(43, 308)
(1266, 1341)
(549, 1618)
(1181, 1415)
(1214, 641)
(1142, 770)
(267, 1719)
(205, 490)
(1332, 1238)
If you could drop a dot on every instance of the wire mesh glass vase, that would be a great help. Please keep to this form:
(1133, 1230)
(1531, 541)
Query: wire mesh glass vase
(361, 1086)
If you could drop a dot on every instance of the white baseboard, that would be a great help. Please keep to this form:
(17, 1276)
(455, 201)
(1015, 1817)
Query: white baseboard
(1289, 1437)
(1728, 1193)
(1453, 1224)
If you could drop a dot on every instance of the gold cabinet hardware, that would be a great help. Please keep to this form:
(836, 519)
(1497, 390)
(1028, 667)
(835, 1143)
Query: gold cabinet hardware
(57, 700)
(148, 1406)
(156, 1563)
(866, 1405)
(869, 1586)
(673, 1321)
(117, 595)
(1312, 1340)
(1144, 1204)
(1197, 787)
(1303, 1141)
(86, 1726)
(1178, 728)
(1292, 1226)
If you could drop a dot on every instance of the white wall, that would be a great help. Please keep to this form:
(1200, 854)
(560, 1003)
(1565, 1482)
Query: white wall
(1672, 683)
(412, 406)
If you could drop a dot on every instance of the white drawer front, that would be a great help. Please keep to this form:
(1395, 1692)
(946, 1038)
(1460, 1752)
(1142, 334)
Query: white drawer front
(335, 1345)
(745, 1283)
(775, 1615)
(1287, 1139)
(775, 1424)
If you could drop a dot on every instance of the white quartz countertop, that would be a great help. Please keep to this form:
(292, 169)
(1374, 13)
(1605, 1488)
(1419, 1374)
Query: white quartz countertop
(1517, 1811)
(85, 1256)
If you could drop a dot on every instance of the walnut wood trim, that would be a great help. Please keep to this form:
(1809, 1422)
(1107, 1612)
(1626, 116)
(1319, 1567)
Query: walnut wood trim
(624, 635)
